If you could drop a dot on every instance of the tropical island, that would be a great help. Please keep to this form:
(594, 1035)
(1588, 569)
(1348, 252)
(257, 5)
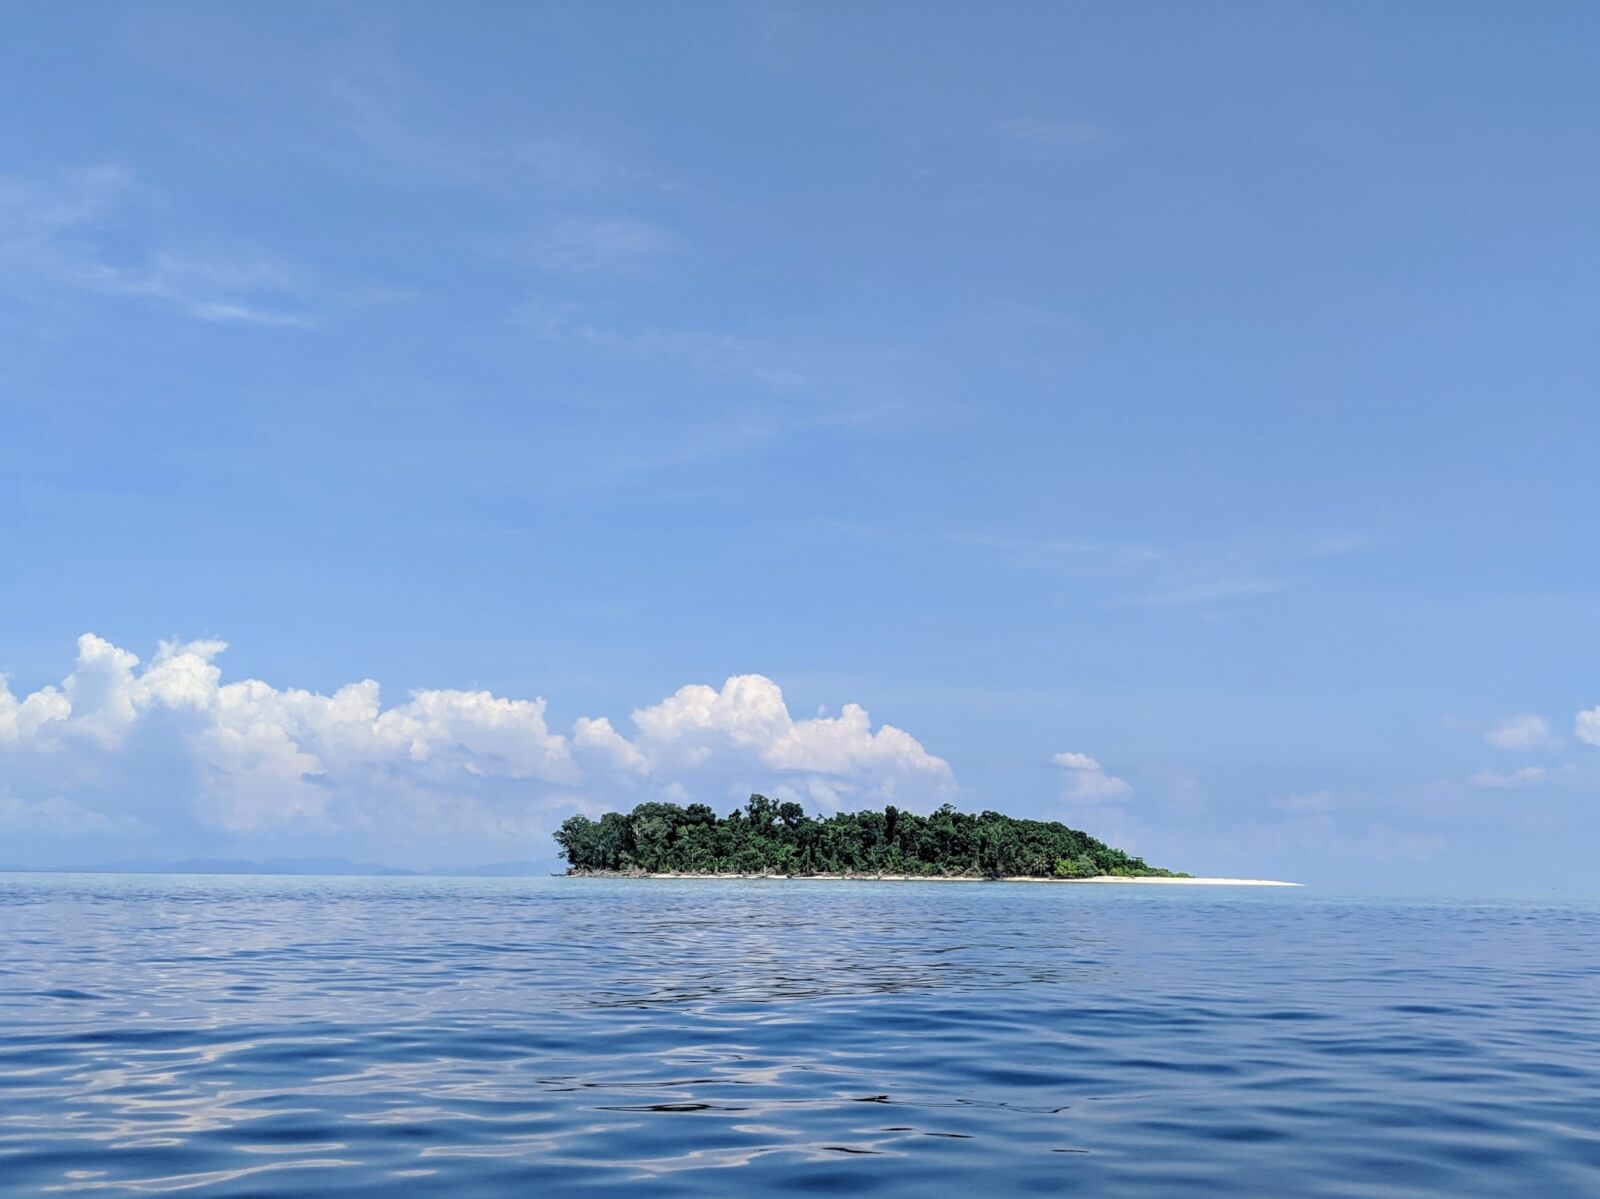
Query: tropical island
(767, 837)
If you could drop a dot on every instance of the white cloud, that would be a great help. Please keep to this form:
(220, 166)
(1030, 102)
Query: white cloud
(745, 732)
(1526, 731)
(1586, 726)
(1087, 782)
(256, 757)
(23, 720)
(1494, 780)
(596, 736)
(102, 699)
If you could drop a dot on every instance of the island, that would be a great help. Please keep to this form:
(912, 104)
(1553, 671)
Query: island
(769, 838)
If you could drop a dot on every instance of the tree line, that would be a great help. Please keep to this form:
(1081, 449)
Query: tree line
(769, 837)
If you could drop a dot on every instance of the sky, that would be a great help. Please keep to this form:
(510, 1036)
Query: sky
(421, 424)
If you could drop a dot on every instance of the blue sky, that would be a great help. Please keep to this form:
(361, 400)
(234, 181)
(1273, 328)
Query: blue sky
(1177, 420)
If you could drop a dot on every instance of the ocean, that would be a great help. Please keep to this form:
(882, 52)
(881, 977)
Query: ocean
(268, 1036)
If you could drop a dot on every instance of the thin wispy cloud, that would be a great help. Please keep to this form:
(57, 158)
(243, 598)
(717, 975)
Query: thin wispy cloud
(1522, 732)
(845, 385)
(1045, 135)
(602, 245)
(1496, 780)
(357, 98)
(1207, 589)
(1303, 803)
(81, 234)
(245, 315)
(773, 365)
(751, 391)
(1199, 574)
(1077, 556)
(1036, 318)
(393, 116)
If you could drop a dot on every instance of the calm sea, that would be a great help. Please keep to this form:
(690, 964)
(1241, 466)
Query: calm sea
(396, 1037)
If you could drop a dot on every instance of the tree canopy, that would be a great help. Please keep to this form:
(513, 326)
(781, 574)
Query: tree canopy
(769, 837)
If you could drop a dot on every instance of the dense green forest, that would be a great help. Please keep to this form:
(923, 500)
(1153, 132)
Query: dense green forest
(779, 838)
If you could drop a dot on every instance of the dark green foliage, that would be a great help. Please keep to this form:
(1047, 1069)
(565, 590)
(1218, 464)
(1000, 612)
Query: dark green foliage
(779, 838)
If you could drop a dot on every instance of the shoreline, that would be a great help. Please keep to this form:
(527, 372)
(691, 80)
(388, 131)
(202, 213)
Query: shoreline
(1099, 879)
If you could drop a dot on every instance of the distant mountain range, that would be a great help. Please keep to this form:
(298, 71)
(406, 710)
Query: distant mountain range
(285, 866)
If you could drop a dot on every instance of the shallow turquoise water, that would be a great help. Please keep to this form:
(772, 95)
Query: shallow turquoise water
(270, 1036)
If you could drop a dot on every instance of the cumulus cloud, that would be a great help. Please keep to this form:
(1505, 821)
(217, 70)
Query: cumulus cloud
(1086, 781)
(1494, 780)
(1586, 726)
(745, 731)
(1520, 732)
(255, 757)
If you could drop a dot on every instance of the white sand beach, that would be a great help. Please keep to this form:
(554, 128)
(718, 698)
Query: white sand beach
(945, 878)
(1181, 882)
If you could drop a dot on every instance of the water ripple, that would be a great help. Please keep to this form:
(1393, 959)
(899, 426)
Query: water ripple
(254, 1037)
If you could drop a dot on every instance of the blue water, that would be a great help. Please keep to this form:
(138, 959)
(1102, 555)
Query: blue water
(397, 1037)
